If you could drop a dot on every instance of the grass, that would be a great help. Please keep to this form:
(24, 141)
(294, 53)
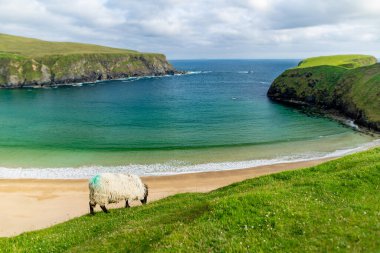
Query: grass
(31, 62)
(362, 87)
(345, 61)
(314, 85)
(29, 47)
(322, 82)
(333, 207)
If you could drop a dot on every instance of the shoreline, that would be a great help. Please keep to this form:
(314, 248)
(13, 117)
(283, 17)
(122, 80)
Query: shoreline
(81, 82)
(34, 204)
(167, 169)
(333, 114)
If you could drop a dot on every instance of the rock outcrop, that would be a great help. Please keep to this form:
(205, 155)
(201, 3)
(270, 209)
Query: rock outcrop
(354, 93)
(33, 62)
(16, 72)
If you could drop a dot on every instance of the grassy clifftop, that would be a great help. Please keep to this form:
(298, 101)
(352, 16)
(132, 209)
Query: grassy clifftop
(28, 47)
(346, 61)
(333, 207)
(354, 92)
(32, 62)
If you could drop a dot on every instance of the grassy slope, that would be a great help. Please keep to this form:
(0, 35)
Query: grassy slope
(362, 87)
(28, 47)
(313, 85)
(346, 61)
(353, 91)
(26, 61)
(331, 207)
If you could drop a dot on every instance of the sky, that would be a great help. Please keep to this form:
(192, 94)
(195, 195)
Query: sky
(204, 29)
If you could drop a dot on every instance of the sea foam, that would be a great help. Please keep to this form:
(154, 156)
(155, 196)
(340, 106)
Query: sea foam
(168, 168)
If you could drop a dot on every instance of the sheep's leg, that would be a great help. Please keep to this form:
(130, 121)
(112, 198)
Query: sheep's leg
(104, 209)
(127, 204)
(92, 208)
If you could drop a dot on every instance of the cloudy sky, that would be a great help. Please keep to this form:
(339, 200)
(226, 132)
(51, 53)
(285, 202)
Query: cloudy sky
(184, 29)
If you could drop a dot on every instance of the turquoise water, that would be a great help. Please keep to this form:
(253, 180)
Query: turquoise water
(219, 113)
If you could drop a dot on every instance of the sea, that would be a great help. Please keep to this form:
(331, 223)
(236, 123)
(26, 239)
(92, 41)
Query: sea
(215, 117)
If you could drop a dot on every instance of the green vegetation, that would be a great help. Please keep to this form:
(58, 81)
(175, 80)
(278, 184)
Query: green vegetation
(310, 85)
(29, 47)
(333, 207)
(346, 61)
(360, 88)
(32, 62)
(353, 92)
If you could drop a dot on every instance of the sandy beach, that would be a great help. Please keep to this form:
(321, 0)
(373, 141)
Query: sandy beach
(31, 204)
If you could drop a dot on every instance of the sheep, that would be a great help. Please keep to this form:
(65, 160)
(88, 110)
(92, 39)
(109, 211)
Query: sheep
(108, 188)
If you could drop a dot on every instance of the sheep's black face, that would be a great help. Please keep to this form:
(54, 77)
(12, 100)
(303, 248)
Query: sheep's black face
(145, 199)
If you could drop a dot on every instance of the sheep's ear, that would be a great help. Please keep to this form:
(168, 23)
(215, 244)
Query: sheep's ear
(145, 199)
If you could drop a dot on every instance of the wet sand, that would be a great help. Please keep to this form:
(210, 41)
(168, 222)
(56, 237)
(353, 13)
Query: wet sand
(31, 204)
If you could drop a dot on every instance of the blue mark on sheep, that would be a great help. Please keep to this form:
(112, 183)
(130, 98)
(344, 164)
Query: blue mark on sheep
(95, 181)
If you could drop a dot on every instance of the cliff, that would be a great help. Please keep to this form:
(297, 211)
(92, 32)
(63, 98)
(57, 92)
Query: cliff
(31, 62)
(353, 90)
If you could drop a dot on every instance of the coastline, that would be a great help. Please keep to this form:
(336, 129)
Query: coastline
(84, 81)
(332, 114)
(38, 196)
(34, 204)
(34, 63)
(331, 93)
(173, 167)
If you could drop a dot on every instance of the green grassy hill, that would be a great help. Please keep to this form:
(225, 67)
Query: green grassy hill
(360, 88)
(333, 207)
(354, 92)
(32, 62)
(346, 61)
(28, 47)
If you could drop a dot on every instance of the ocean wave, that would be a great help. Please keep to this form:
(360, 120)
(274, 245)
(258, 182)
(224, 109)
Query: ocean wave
(245, 72)
(169, 168)
(352, 124)
(135, 78)
(197, 72)
(124, 80)
(131, 79)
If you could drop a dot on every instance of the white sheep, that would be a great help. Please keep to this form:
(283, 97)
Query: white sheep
(108, 188)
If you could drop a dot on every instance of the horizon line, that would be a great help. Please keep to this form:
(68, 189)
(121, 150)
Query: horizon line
(248, 59)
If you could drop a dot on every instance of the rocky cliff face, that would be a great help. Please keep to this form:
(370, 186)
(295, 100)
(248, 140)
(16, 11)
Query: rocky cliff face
(19, 71)
(355, 93)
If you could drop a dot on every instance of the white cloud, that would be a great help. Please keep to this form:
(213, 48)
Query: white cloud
(203, 28)
(88, 12)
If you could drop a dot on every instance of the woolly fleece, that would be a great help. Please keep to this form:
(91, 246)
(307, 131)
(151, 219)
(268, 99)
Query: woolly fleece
(112, 188)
